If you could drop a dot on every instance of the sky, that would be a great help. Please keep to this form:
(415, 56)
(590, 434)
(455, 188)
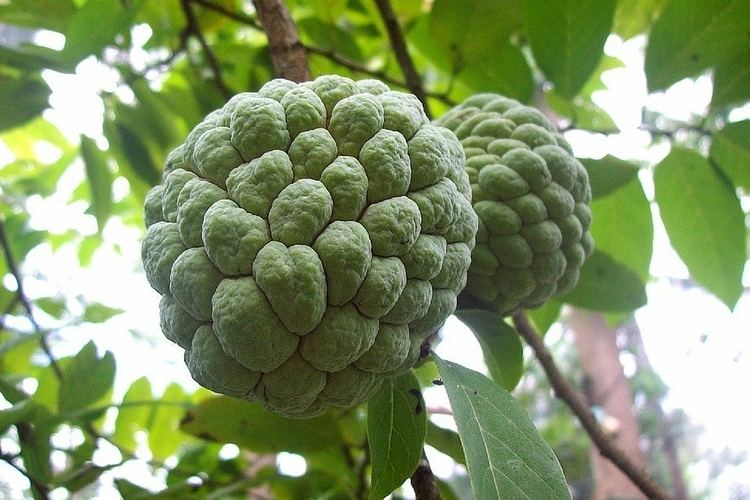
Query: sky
(699, 348)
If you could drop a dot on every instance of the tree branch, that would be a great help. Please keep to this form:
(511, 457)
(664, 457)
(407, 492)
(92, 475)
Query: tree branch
(568, 394)
(329, 54)
(194, 29)
(381, 75)
(24, 300)
(423, 481)
(41, 488)
(413, 80)
(287, 52)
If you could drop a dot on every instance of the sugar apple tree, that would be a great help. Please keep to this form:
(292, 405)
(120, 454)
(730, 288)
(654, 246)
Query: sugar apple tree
(532, 197)
(307, 239)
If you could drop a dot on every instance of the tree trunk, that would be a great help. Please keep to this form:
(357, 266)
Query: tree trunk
(611, 399)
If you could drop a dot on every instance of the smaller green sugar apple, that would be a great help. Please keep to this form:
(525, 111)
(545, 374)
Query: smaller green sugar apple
(533, 199)
(307, 239)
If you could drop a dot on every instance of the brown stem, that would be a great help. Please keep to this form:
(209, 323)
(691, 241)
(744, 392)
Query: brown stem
(354, 65)
(287, 52)
(24, 300)
(329, 54)
(398, 43)
(571, 397)
(423, 481)
(41, 488)
(194, 28)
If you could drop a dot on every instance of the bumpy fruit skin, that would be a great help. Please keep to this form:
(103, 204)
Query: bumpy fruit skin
(307, 239)
(533, 199)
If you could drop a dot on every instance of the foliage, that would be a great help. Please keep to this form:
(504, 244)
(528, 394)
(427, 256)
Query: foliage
(168, 64)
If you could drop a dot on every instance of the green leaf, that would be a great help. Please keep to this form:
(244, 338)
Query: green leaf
(99, 313)
(100, 180)
(166, 18)
(30, 58)
(157, 120)
(131, 491)
(35, 446)
(693, 35)
(504, 71)
(426, 373)
(482, 28)
(54, 306)
(48, 387)
(34, 431)
(447, 490)
(730, 151)
(9, 390)
(87, 248)
(50, 14)
(87, 378)
(445, 441)
(633, 17)
(567, 38)
(544, 317)
(139, 158)
(164, 437)
(321, 34)
(704, 221)
(16, 352)
(23, 141)
(21, 238)
(608, 174)
(21, 99)
(396, 427)
(16, 413)
(327, 10)
(622, 227)
(77, 479)
(732, 81)
(95, 25)
(582, 112)
(248, 425)
(506, 457)
(131, 419)
(501, 346)
(606, 285)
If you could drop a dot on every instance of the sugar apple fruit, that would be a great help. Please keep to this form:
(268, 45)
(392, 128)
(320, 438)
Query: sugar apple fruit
(533, 199)
(307, 239)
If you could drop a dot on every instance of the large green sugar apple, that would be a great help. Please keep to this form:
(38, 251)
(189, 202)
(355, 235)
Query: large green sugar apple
(533, 201)
(307, 239)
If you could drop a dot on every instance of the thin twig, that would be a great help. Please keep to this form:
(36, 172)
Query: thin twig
(287, 52)
(237, 16)
(423, 481)
(162, 63)
(329, 54)
(39, 486)
(381, 75)
(354, 65)
(194, 28)
(574, 400)
(413, 80)
(24, 300)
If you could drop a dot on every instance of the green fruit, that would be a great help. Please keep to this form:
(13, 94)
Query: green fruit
(307, 239)
(533, 201)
